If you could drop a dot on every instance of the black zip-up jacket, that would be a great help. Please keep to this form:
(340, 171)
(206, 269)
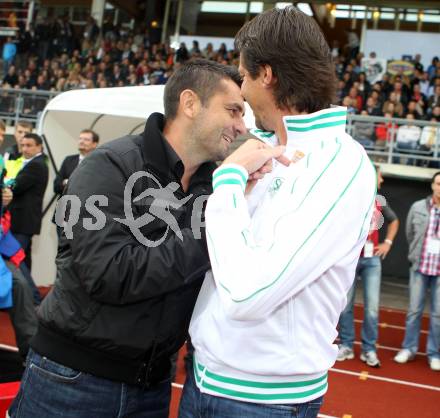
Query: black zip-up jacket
(119, 309)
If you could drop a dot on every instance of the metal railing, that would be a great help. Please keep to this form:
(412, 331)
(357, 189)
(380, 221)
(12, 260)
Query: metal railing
(26, 105)
(389, 149)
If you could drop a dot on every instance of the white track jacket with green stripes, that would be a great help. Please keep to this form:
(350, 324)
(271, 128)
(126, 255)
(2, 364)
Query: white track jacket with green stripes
(283, 259)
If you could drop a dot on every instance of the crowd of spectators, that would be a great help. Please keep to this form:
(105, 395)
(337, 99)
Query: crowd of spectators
(52, 57)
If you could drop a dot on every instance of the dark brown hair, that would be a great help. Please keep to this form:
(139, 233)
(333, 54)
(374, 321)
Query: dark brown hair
(95, 136)
(201, 76)
(292, 44)
(37, 138)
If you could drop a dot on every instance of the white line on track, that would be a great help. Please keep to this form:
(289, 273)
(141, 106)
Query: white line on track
(387, 379)
(402, 286)
(385, 347)
(8, 348)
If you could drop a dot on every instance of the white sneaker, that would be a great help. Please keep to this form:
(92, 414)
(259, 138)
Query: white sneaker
(370, 357)
(434, 363)
(345, 353)
(403, 356)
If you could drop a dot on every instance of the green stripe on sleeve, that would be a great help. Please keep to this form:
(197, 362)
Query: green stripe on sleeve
(228, 182)
(229, 170)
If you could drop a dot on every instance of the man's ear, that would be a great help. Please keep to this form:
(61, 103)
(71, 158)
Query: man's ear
(189, 103)
(268, 78)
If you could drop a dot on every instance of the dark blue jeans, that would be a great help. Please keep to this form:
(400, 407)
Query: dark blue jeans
(195, 404)
(50, 390)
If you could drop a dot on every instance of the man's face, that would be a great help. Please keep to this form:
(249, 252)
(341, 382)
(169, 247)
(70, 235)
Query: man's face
(19, 133)
(85, 143)
(252, 92)
(435, 186)
(219, 122)
(30, 148)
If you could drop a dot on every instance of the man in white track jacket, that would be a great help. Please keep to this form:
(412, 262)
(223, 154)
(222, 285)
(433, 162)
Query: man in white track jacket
(283, 252)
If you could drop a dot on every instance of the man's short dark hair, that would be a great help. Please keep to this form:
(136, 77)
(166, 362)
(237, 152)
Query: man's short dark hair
(434, 176)
(35, 137)
(95, 136)
(201, 76)
(292, 44)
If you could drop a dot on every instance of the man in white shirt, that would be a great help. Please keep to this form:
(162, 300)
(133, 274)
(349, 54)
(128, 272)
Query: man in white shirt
(284, 248)
(408, 137)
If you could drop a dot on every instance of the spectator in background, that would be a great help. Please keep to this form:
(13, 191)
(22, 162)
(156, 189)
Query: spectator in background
(87, 142)
(21, 311)
(384, 131)
(415, 109)
(2, 133)
(8, 54)
(369, 270)
(408, 137)
(356, 99)
(195, 50)
(14, 152)
(417, 64)
(363, 132)
(348, 103)
(182, 54)
(428, 140)
(432, 68)
(11, 77)
(30, 184)
(436, 113)
(371, 107)
(396, 109)
(364, 86)
(400, 92)
(434, 100)
(422, 232)
(425, 85)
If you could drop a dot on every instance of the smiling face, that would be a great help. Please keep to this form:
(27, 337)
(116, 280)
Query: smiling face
(219, 122)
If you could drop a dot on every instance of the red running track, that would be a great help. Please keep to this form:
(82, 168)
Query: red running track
(355, 390)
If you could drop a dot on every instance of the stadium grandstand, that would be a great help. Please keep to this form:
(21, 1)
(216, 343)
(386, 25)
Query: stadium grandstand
(386, 58)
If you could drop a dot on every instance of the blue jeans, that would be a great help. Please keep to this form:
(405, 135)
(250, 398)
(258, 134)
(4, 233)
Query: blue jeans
(418, 286)
(369, 270)
(405, 148)
(195, 404)
(51, 390)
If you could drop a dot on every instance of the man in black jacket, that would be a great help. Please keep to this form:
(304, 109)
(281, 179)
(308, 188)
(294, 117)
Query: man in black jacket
(87, 142)
(30, 184)
(126, 282)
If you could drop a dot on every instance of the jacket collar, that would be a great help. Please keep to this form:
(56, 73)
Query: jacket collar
(301, 129)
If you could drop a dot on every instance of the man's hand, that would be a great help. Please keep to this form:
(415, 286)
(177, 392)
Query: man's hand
(7, 196)
(256, 157)
(382, 250)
